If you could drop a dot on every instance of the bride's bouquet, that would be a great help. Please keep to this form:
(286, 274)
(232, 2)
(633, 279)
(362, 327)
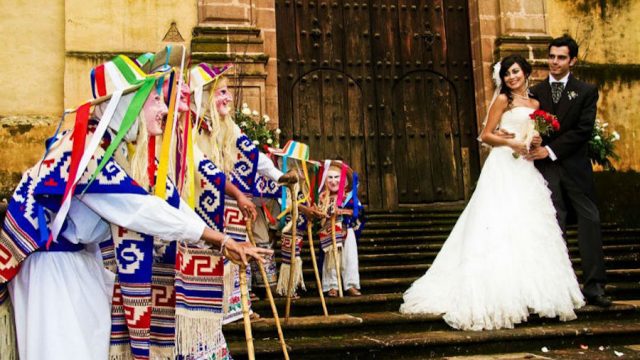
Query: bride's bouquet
(543, 123)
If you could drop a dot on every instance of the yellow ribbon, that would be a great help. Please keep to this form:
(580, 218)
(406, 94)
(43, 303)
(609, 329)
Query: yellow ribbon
(163, 167)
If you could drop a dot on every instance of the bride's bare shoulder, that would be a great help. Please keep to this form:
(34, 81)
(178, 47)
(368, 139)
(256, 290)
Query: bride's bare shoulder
(502, 101)
(535, 103)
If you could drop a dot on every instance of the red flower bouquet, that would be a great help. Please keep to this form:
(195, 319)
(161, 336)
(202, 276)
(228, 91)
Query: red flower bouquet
(544, 122)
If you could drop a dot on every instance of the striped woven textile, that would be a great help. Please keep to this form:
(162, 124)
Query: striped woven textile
(325, 235)
(285, 249)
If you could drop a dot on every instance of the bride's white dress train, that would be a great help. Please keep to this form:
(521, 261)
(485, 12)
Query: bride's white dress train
(505, 258)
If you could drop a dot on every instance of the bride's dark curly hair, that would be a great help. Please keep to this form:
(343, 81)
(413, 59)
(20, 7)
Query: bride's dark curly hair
(505, 65)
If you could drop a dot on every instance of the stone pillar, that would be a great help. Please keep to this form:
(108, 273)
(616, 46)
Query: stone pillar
(523, 29)
(242, 32)
(500, 28)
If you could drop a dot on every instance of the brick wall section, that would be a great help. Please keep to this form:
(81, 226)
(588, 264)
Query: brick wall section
(505, 26)
(265, 16)
(259, 83)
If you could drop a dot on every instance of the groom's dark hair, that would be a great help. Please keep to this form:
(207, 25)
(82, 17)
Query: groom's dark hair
(566, 40)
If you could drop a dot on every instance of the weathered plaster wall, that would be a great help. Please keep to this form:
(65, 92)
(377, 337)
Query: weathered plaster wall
(31, 57)
(609, 38)
(32, 75)
(97, 30)
(50, 47)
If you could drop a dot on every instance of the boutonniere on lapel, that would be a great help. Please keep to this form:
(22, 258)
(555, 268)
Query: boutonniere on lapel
(572, 95)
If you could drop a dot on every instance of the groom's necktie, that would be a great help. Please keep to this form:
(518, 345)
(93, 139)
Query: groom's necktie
(556, 91)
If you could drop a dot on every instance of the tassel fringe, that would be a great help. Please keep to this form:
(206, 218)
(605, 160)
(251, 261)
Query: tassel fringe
(283, 279)
(8, 345)
(198, 334)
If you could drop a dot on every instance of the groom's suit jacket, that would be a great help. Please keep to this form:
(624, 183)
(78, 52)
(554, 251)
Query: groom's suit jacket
(576, 112)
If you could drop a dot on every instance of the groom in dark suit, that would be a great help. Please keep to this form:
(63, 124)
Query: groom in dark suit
(563, 161)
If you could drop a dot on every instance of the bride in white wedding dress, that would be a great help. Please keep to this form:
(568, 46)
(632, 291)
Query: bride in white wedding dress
(505, 258)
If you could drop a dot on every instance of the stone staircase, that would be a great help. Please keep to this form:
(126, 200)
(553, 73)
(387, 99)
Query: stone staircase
(395, 249)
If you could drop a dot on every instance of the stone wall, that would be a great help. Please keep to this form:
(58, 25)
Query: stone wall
(609, 39)
(609, 36)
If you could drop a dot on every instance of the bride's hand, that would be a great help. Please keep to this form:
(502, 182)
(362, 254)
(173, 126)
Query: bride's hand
(518, 147)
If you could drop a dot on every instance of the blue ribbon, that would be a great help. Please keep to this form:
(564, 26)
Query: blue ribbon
(42, 226)
(354, 195)
(283, 203)
(93, 82)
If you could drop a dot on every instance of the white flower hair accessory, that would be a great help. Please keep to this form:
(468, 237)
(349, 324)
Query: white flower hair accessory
(496, 74)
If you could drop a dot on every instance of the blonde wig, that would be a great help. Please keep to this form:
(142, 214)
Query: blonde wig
(220, 142)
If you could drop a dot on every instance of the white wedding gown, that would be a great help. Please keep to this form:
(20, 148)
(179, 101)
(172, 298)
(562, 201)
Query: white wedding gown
(505, 258)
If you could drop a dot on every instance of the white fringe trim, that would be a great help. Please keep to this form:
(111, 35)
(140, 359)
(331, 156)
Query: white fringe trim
(162, 353)
(230, 275)
(196, 332)
(8, 345)
(283, 279)
(119, 353)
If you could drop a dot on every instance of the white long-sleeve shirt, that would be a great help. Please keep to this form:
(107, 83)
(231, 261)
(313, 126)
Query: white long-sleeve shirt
(62, 300)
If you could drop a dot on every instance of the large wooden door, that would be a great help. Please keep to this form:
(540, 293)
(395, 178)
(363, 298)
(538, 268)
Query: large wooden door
(387, 86)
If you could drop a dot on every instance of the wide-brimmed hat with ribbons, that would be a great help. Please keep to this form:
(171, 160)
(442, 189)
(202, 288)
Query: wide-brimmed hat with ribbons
(164, 60)
(294, 150)
(120, 73)
(201, 76)
(109, 81)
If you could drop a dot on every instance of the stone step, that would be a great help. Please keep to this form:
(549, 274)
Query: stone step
(364, 248)
(447, 342)
(395, 271)
(441, 229)
(628, 237)
(619, 289)
(615, 261)
(425, 223)
(393, 321)
(454, 206)
(386, 295)
(384, 322)
(381, 218)
(311, 305)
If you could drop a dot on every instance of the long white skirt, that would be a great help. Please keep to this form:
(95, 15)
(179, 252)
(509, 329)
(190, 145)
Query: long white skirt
(62, 305)
(504, 258)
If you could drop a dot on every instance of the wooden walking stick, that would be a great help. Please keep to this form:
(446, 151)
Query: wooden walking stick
(244, 298)
(335, 253)
(274, 309)
(315, 268)
(294, 228)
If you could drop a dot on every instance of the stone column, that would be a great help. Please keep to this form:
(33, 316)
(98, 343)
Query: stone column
(523, 29)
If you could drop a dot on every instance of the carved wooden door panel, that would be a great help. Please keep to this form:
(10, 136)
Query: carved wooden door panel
(386, 85)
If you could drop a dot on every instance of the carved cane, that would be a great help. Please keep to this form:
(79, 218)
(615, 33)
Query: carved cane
(294, 227)
(315, 268)
(335, 253)
(244, 298)
(269, 294)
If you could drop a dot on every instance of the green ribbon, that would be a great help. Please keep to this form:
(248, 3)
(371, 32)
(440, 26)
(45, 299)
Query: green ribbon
(130, 118)
(125, 70)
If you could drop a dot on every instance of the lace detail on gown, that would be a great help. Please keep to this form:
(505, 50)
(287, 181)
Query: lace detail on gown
(505, 258)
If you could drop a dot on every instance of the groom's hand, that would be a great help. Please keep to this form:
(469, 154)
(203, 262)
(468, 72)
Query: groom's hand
(537, 153)
(504, 134)
(536, 141)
